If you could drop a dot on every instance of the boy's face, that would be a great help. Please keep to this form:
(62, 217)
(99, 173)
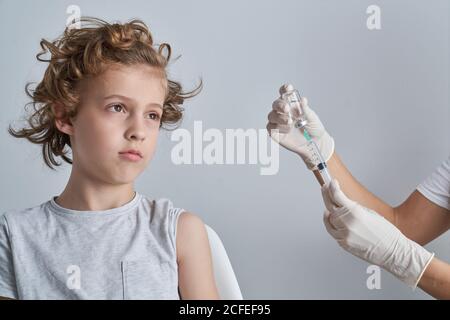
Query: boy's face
(119, 110)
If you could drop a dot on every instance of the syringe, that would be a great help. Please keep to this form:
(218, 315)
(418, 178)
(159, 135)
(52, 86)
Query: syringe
(320, 162)
(293, 98)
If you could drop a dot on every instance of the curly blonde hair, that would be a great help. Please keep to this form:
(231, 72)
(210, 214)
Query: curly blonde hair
(85, 52)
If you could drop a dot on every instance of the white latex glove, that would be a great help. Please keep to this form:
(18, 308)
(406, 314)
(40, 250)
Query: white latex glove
(369, 236)
(291, 138)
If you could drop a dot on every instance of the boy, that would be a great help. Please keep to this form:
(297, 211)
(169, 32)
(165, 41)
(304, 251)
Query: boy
(105, 94)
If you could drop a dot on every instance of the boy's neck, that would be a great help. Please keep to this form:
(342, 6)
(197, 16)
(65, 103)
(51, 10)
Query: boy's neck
(94, 201)
(88, 195)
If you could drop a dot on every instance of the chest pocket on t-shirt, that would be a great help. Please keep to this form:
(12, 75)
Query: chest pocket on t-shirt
(149, 280)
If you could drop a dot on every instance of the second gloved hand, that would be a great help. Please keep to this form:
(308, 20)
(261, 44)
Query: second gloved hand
(281, 118)
(369, 236)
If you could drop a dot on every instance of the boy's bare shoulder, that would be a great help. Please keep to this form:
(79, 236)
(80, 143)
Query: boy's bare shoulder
(191, 233)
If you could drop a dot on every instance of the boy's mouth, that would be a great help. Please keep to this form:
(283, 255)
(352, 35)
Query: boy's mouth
(132, 151)
(131, 155)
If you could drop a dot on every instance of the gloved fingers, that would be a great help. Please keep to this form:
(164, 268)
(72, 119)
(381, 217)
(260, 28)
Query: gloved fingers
(287, 87)
(343, 243)
(280, 105)
(341, 218)
(279, 118)
(336, 233)
(337, 196)
(338, 215)
(304, 103)
(309, 113)
(275, 129)
(314, 126)
(330, 204)
(326, 197)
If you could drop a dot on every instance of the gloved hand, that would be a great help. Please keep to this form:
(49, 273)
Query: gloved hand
(283, 119)
(369, 236)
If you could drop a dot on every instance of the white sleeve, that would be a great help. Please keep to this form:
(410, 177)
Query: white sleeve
(436, 187)
(7, 278)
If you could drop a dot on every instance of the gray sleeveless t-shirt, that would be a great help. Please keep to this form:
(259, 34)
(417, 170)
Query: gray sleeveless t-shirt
(129, 252)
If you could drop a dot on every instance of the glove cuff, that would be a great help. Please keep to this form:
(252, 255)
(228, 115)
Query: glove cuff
(423, 271)
(415, 259)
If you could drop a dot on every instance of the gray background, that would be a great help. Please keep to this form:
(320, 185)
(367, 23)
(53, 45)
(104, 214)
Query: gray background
(383, 95)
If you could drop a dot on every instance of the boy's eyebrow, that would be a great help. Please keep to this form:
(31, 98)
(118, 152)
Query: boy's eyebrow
(131, 99)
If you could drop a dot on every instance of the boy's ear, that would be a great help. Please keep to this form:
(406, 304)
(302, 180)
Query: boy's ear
(62, 122)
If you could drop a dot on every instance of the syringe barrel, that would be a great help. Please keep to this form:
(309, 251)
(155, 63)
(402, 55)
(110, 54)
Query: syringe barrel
(325, 175)
(321, 165)
(317, 152)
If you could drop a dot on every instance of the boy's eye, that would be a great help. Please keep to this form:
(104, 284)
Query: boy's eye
(119, 108)
(154, 116)
(114, 106)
